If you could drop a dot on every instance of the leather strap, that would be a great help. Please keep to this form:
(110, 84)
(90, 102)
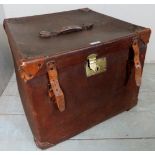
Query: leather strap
(55, 90)
(137, 64)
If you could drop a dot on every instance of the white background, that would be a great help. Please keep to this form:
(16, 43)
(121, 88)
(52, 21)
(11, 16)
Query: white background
(1, 14)
(142, 15)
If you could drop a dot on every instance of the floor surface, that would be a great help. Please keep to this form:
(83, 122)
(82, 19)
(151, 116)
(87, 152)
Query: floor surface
(132, 130)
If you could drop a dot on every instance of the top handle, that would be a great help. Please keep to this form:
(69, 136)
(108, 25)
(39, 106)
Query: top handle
(69, 29)
(66, 30)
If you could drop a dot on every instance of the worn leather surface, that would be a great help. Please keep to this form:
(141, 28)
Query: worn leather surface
(29, 70)
(26, 31)
(88, 100)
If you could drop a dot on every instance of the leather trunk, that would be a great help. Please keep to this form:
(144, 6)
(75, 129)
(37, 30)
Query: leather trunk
(75, 69)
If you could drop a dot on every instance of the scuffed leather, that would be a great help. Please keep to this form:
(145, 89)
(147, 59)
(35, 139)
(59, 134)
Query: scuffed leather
(145, 35)
(29, 69)
(55, 90)
(137, 64)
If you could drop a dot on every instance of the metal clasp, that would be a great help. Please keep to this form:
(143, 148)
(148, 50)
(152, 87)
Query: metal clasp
(92, 62)
(94, 65)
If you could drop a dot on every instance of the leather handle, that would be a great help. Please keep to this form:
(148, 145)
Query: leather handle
(69, 29)
(66, 30)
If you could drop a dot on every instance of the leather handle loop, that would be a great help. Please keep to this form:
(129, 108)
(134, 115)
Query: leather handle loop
(55, 90)
(137, 64)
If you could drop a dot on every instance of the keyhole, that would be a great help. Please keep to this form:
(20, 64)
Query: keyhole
(97, 68)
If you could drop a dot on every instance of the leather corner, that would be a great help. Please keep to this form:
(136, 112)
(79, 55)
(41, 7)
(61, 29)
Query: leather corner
(30, 68)
(145, 35)
(42, 145)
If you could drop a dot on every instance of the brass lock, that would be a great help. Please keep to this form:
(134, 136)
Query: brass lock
(95, 66)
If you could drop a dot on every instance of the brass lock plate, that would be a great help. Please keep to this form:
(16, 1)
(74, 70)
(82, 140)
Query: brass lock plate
(95, 66)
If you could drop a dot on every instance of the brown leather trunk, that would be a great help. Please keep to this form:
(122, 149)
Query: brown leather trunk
(75, 69)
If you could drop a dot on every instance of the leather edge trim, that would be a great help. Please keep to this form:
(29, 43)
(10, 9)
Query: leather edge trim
(145, 35)
(29, 68)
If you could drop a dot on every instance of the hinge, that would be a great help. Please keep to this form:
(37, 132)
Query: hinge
(55, 90)
(137, 63)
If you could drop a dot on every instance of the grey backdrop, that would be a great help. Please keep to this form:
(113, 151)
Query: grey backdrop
(6, 65)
